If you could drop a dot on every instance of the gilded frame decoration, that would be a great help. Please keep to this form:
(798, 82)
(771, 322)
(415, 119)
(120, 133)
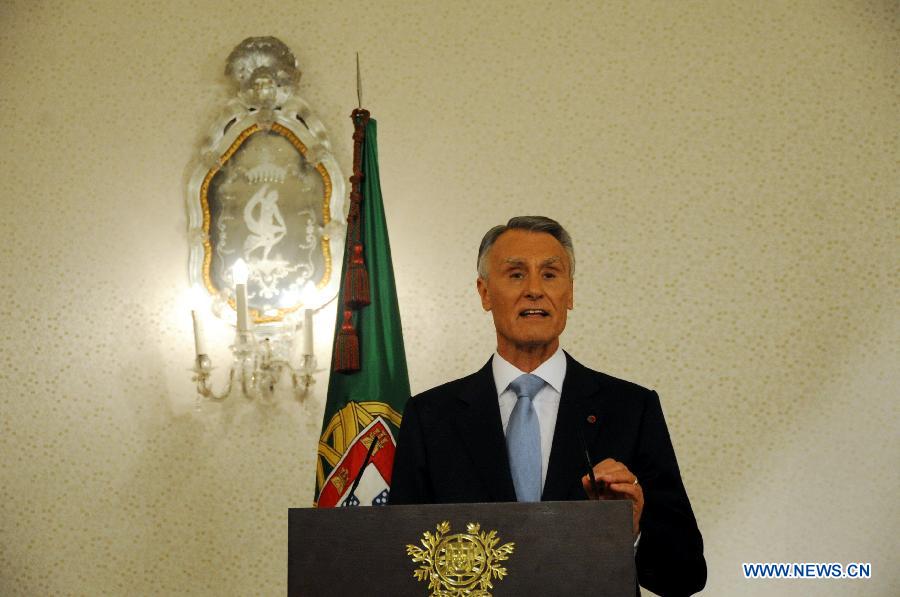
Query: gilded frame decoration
(266, 188)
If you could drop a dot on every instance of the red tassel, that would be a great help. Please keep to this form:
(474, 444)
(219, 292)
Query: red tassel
(346, 348)
(356, 283)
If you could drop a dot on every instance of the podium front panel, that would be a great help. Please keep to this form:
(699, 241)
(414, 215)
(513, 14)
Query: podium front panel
(559, 548)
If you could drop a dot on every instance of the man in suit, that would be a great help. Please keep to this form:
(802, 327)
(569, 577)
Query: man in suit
(512, 431)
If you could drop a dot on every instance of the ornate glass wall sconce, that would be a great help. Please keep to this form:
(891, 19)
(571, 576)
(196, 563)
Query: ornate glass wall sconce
(265, 205)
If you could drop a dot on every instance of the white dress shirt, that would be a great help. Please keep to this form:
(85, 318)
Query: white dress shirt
(546, 403)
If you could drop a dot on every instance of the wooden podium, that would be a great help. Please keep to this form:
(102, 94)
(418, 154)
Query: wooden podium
(558, 548)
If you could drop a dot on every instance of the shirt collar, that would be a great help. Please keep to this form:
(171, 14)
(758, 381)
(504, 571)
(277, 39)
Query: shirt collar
(552, 371)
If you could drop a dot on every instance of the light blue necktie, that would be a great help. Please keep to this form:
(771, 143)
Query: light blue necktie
(523, 439)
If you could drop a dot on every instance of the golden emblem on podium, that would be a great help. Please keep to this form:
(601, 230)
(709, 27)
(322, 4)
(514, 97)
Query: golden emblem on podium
(462, 564)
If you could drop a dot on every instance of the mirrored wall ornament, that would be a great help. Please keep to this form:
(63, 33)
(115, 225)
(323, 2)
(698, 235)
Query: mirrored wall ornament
(264, 194)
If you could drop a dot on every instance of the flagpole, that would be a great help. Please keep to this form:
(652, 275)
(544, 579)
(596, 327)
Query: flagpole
(358, 84)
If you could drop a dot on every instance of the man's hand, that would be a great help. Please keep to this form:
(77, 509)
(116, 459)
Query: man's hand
(619, 484)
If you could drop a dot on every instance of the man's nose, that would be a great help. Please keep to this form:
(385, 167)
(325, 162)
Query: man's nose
(534, 288)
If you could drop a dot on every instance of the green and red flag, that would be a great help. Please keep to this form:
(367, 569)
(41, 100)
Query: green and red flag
(369, 384)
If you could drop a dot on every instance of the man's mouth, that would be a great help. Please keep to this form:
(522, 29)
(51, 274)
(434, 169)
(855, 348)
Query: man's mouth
(534, 313)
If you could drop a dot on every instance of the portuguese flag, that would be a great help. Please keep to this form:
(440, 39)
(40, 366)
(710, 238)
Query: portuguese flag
(369, 384)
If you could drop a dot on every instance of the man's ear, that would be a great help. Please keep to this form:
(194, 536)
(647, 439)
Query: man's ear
(571, 304)
(481, 285)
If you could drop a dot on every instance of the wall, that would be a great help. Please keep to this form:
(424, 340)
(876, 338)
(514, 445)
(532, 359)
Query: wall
(728, 171)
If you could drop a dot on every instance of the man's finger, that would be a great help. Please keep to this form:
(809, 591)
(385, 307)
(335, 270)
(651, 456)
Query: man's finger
(623, 476)
(629, 489)
(589, 487)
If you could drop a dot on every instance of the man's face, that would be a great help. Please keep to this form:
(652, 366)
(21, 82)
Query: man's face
(528, 290)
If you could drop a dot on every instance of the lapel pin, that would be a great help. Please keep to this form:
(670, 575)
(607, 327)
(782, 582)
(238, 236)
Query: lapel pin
(591, 419)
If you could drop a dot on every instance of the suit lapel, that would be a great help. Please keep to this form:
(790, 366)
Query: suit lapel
(580, 405)
(478, 423)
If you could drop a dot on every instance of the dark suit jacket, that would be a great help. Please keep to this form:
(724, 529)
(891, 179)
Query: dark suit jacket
(452, 449)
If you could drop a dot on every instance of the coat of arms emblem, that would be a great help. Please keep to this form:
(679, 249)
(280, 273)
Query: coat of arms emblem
(461, 564)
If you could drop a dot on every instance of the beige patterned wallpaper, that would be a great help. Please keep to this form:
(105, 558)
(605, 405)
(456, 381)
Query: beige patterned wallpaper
(729, 171)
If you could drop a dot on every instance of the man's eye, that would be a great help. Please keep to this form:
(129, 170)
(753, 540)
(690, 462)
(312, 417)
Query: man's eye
(549, 275)
(516, 275)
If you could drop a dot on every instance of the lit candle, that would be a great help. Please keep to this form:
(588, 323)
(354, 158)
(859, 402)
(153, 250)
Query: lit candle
(199, 345)
(240, 292)
(307, 332)
(240, 274)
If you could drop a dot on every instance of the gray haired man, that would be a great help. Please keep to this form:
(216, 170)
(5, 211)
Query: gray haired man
(505, 433)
